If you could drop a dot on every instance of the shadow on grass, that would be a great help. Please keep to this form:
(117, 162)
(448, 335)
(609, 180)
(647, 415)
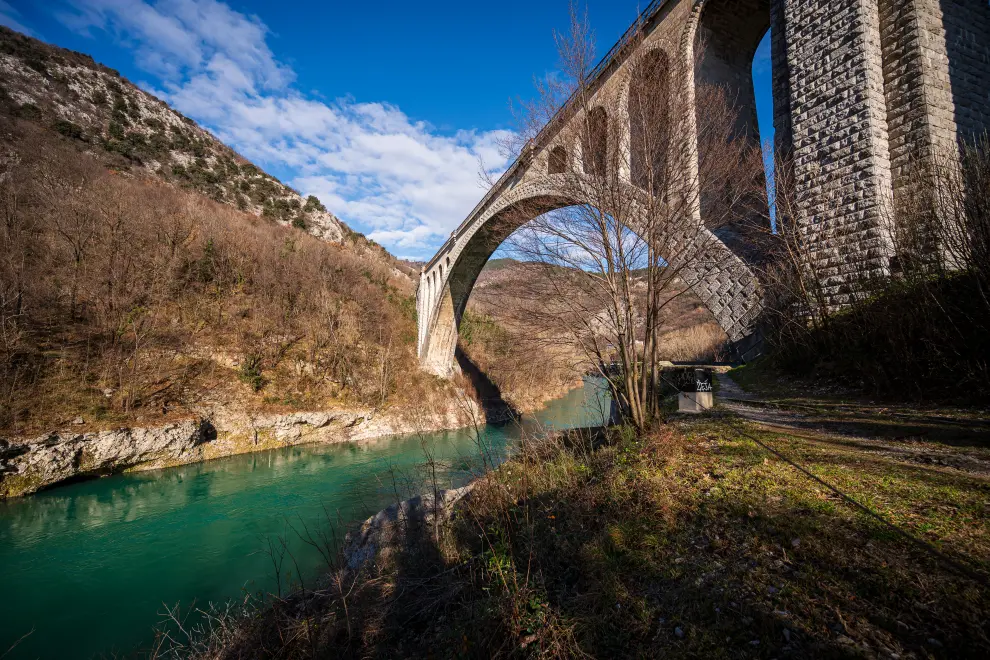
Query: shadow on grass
(692, 544)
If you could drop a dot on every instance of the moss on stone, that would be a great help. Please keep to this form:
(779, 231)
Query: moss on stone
(16, 485)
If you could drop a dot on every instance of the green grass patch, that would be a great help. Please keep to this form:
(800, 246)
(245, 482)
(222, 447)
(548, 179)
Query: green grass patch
(694, 541)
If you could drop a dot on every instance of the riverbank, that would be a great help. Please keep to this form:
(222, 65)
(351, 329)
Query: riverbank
(714, 537)
(90, 564)
(28, 465)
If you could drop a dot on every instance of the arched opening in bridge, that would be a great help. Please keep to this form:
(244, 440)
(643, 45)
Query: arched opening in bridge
(594, 145)
(649, 120)
(566, 251)
(763, 91)
(558, 161)
(733, 50)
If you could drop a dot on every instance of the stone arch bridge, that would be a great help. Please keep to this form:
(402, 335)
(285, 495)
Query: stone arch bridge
(863, 90)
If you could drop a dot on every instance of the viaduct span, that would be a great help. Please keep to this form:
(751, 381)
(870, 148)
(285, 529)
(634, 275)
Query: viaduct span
(863, 90)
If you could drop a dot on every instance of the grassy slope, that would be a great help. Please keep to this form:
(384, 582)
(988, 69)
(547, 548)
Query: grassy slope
(693, 542)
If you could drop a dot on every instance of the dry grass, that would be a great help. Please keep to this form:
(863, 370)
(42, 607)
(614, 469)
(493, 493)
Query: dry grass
(128, 301)
(699, 343)
(694, 541)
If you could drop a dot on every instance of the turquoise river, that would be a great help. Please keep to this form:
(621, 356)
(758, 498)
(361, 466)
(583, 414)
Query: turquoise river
(86, 570)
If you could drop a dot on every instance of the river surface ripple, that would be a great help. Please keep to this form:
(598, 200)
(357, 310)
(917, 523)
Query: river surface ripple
(89, 567)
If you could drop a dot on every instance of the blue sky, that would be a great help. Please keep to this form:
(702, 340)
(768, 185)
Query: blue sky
(382, 109)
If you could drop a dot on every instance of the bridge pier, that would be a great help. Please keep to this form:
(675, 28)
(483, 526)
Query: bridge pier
(440, 341)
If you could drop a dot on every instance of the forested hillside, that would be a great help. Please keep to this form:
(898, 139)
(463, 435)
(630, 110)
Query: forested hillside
(149, 272)
(126, 299)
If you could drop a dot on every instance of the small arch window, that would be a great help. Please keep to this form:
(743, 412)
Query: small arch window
(595, 146)
(558, 161)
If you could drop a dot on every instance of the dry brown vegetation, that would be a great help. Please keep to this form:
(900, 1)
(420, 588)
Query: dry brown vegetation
(124, 299)
(700, 540)
(526, 378)
(702, 343)
(527, 375)
(494, 333)
(918, 331)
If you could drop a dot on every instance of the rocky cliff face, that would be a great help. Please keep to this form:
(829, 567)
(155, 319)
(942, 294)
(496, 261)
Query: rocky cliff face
(132, 131)
(29, 465)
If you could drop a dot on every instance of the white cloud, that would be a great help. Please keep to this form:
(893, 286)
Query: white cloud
(12, 19)
(400, 180)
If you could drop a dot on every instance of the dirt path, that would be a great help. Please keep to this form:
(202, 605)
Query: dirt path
(938, 438)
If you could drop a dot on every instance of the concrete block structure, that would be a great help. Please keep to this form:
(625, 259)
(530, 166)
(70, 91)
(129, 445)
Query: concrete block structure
(865, 91)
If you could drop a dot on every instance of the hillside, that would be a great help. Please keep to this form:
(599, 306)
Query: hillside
(684, 311)
(148, 273)
(131, 131)
(528, 366)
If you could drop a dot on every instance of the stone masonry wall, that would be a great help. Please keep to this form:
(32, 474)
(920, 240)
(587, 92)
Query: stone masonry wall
(839, 126)
(936, 61)
(781, 76)
(965, 62)
(909, 128)
(864, 91)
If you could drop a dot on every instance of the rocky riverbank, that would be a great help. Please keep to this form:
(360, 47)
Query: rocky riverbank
(400, 527)
(28, 465)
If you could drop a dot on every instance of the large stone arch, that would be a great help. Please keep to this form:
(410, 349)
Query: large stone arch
(721, 279)
(864, 91)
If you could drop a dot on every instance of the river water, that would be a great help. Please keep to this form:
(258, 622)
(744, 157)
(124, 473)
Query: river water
(89, 567)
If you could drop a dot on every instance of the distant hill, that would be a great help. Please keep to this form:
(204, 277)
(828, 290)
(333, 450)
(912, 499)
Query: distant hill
(148, 272)
(496, 335)
(131, 131)
(499, 264)
(499, 281)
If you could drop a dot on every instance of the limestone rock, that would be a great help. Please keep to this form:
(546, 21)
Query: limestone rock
(399, 525)
(30, 464)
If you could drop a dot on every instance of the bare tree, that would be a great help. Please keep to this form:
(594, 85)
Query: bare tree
(915, 321)
(638, 166)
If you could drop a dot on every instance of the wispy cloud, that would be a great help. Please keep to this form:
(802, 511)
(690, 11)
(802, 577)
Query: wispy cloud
(12, 19)
(378, 169)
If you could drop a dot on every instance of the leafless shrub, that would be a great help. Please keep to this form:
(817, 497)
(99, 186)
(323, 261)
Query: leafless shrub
(914, 329)
(607, 265)
(113, 292)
